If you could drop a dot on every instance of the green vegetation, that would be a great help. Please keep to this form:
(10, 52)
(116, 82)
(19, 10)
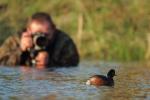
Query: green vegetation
(102, 29)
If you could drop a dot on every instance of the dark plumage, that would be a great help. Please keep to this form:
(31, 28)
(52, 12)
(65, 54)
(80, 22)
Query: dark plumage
(101, 80)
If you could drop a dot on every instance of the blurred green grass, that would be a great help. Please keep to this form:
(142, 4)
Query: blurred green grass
(112, 30)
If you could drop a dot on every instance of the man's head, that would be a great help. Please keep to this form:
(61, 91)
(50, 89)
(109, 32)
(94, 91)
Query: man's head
(41, 22)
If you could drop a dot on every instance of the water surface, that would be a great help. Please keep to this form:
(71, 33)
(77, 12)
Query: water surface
(131, 83)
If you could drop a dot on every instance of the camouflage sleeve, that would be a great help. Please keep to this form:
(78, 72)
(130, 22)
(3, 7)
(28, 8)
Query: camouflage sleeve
(69, 55)
(10, 51)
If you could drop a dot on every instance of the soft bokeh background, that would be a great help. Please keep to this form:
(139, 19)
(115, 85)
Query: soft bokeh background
(110, 30)
(103, 30)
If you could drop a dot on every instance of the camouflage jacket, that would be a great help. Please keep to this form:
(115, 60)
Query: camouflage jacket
(62, 52)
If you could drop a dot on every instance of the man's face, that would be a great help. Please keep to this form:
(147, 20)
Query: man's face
(43, 27)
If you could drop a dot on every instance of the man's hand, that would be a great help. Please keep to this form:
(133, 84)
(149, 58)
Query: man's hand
(42, 59)
(26, 41)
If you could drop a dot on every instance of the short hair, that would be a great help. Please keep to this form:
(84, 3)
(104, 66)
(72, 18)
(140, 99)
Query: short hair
(41, 16)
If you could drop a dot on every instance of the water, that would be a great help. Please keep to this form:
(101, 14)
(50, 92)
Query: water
(131, 83)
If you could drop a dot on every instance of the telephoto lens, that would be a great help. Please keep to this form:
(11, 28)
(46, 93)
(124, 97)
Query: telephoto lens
(40, 41)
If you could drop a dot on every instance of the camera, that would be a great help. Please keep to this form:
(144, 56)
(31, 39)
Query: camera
(40, 41)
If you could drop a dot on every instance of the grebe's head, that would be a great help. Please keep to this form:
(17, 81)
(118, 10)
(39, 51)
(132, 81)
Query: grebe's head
(111, 73)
